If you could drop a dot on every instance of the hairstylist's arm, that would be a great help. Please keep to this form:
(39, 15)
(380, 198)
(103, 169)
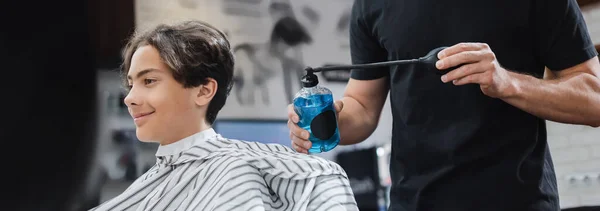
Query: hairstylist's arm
(358, 113)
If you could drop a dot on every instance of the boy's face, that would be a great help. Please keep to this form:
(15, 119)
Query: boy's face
(163, 110)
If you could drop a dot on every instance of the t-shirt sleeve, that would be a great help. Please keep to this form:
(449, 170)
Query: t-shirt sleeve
(562, 34)
(364, 47)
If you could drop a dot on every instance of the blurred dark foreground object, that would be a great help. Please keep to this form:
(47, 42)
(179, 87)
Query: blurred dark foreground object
(48, 99)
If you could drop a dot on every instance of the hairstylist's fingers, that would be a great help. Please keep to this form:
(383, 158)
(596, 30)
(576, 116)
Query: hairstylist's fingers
(339, 105)
(461, 47)
(298, 148)
(300, 145)
(292, 114)
(298, 136)
(297, 131)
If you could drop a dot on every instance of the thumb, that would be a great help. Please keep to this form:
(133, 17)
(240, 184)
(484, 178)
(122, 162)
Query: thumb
(339, 105)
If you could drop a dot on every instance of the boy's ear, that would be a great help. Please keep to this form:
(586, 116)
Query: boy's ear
(206, 92)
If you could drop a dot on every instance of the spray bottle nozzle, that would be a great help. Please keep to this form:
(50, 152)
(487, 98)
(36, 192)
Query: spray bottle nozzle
(310, 79)
(309, 70)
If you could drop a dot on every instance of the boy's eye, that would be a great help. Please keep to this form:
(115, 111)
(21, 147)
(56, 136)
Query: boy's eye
(148, 81)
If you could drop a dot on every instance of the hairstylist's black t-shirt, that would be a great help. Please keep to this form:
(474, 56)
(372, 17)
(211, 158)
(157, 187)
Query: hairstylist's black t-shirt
(455, 148)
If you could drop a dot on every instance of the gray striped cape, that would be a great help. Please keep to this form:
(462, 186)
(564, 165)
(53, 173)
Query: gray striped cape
(208, 172)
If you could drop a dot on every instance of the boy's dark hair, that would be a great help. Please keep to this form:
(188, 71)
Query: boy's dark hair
(195, 51)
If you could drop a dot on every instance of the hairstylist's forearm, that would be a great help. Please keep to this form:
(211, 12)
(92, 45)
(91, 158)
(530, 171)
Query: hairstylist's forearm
(355, 123)
(571, 97)
(362, 104)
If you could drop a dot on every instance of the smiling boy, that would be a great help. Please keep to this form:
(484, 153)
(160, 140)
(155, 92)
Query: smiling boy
(178, 78)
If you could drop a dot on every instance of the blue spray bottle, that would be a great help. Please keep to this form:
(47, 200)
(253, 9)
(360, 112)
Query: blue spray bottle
(314, 106)
(314, 103)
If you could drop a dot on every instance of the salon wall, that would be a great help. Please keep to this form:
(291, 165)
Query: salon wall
(575, 149)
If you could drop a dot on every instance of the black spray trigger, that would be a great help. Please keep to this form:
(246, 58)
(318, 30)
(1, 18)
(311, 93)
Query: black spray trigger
(431, 58)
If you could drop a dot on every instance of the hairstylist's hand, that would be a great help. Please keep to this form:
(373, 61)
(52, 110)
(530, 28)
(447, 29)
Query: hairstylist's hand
(300, 136)
(480, 66)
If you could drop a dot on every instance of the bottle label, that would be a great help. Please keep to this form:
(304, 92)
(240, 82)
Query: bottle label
(323, 125)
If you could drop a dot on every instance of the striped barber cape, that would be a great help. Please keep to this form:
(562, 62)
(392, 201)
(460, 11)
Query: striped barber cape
(208, 172)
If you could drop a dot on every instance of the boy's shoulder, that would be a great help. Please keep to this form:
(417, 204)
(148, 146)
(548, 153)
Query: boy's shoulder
(278, 159)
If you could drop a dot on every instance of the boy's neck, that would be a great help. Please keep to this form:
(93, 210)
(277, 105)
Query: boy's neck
(184, 134)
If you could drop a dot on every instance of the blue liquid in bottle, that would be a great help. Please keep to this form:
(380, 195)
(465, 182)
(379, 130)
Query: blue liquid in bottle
(314, 106)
